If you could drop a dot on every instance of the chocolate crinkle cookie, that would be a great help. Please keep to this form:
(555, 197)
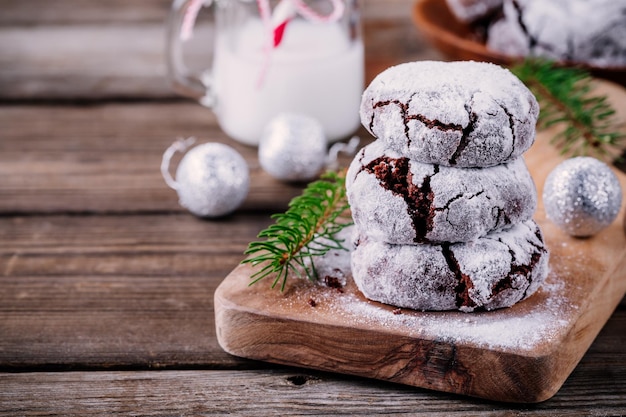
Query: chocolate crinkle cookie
(397, 200)
(460, 114)
(496, 271)
(442, 200)
(585, 31)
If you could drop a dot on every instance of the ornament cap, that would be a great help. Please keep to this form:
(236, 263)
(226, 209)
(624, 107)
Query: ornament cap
(181, 145)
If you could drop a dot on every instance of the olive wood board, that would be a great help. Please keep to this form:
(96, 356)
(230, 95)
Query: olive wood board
(519, 354)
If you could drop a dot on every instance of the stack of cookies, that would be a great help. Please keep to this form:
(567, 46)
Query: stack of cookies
(442, 200)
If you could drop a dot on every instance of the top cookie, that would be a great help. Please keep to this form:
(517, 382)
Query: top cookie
(462, 114)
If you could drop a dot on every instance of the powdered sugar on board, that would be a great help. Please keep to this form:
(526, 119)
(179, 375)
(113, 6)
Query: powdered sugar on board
(480, 329)
(544, 318)
(520, 354)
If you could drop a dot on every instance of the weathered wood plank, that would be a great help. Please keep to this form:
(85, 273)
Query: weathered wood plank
(77, 289)
(135, 291)
(65, 246)
(88, 322)
(37, 12)
(70, 62)
(19, 12)
(115, 291)
(109, 61)
(106, 158)
(131, 245)
(278, 393)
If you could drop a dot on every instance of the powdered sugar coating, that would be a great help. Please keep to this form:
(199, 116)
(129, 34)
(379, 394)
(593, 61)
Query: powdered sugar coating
(401, 201)
(463, 114)
(496, 271)
(470, 10)
(590, 31)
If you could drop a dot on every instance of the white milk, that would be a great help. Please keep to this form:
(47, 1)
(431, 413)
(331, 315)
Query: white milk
(315, 71)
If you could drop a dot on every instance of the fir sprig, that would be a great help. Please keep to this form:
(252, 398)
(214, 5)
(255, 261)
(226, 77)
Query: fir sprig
(565, 96)
(306, 230)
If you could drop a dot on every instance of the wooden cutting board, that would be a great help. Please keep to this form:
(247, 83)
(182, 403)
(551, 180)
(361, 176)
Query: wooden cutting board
(520, 354)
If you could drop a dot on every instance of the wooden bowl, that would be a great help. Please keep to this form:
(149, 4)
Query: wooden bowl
(459, 41)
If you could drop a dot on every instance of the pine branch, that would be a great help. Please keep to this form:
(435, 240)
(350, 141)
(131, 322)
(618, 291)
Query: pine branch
(306, 230)
(565, 97)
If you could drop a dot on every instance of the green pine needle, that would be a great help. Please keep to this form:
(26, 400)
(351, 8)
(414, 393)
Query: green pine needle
(306, 230)
(565, 97)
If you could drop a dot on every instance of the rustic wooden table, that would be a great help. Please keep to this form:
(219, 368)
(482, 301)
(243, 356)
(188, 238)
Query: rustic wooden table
(106, 283)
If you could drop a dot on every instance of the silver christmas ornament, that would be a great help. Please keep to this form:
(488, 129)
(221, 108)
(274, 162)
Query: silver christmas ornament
(293, 148)
(212, 179)
(582, 196)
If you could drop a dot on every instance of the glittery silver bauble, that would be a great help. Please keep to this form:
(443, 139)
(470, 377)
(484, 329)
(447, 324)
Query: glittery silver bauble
(293, 148)
(212, 180)
(582, 196)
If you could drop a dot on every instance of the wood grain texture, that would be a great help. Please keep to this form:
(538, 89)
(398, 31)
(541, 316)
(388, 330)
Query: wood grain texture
(279, 392)
(105, 158)
(116, 291)
(64, 12)
(128, 62)
(112, 53)
(71, 62)
(101, 270)
(344, 332)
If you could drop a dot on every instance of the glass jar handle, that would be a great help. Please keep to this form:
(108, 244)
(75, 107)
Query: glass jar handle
(183, 81)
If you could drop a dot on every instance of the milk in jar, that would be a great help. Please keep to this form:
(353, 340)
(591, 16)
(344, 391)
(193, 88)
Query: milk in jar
(316, 71)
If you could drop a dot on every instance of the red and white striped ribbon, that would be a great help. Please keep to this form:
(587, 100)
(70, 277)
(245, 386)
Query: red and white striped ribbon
(286, 10)
(275, 22)
(190, 16)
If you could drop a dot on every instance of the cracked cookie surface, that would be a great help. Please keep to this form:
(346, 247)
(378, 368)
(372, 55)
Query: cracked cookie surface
(588, 31)
(493, 272)
(401, 201)
(460, 114)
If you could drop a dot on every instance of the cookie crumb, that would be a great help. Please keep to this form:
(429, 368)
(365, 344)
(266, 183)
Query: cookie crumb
(333, 282)
(397, 311)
